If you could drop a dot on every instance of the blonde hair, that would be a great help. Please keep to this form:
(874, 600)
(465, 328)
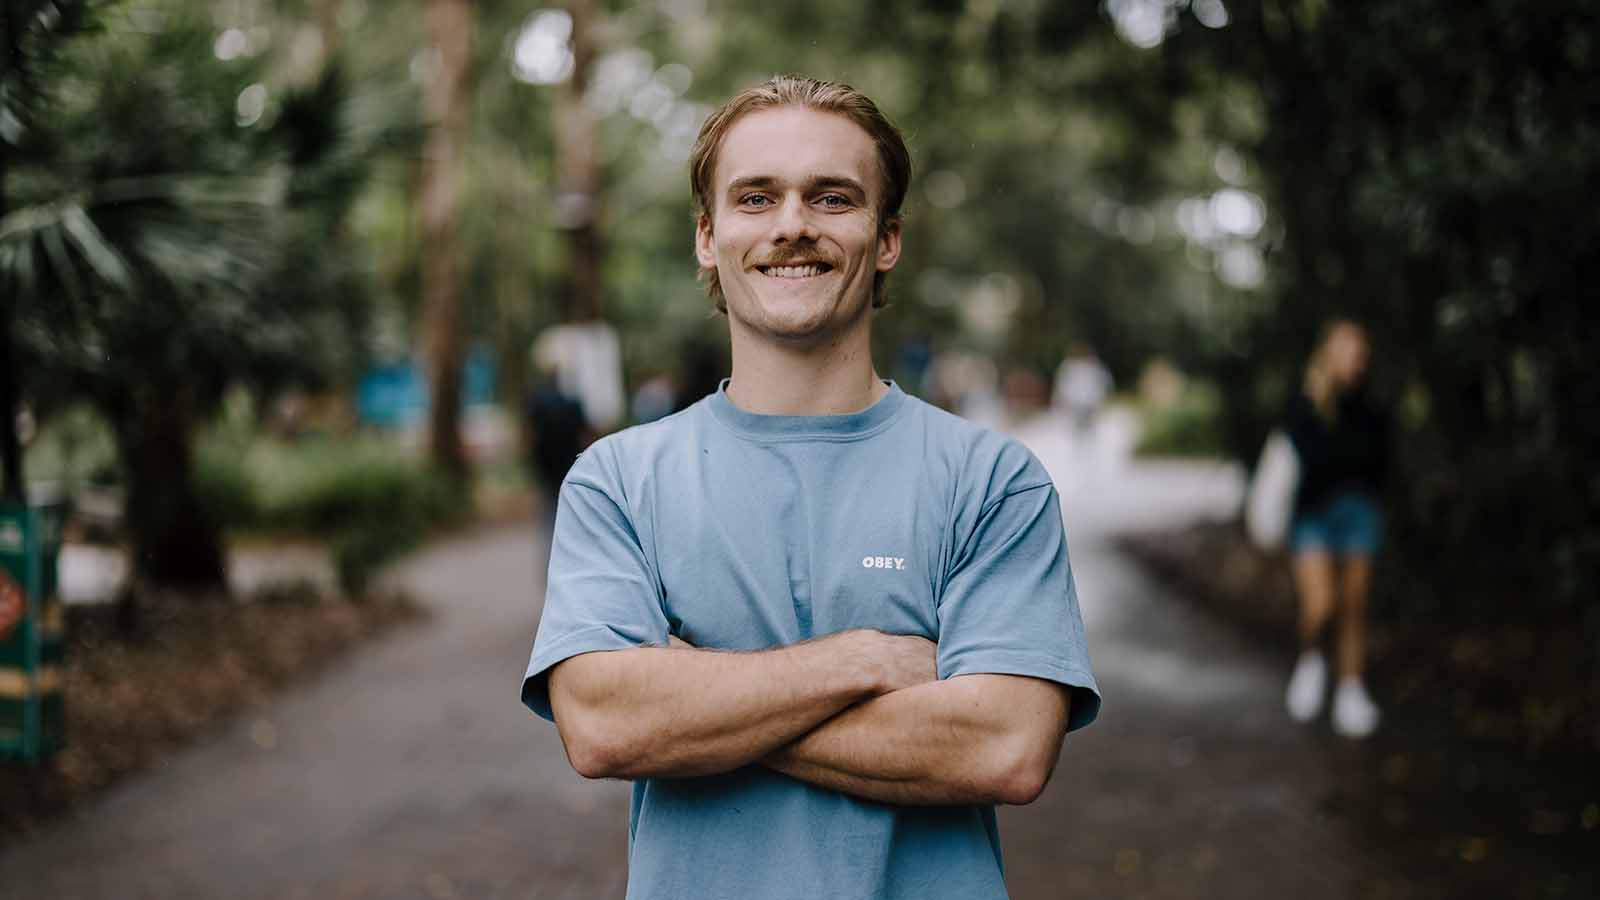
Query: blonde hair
(1321, 388)
(894, 160)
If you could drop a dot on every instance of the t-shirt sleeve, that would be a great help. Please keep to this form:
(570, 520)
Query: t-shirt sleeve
(1009, 606)
(601, 593)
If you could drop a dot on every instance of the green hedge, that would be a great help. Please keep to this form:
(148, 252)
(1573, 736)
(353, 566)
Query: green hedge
(1192, 426)
(372, 500)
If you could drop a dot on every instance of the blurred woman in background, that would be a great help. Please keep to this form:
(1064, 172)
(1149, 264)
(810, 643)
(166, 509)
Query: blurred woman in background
(1342, 440)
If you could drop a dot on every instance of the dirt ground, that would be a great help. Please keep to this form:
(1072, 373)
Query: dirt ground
(1456, 777)
(186, 668)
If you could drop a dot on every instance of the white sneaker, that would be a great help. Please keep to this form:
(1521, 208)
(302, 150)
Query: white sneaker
(1307, 687)
(1354, 713)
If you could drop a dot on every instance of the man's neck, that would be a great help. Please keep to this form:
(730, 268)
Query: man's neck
(828, 379)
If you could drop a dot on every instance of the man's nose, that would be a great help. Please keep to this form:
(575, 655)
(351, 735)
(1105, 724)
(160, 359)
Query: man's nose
(793, 223)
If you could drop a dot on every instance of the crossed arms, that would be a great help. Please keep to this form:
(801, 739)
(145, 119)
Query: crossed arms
(859, 712)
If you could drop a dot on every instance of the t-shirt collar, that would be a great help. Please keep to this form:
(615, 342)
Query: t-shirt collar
(845, 426)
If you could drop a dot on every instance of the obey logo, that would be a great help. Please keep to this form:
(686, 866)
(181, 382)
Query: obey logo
(883, 562)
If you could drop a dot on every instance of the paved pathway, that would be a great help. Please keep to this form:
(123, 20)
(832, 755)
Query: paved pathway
(410, 770)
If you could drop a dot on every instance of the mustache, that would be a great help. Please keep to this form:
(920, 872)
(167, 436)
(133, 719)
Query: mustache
(787, 256)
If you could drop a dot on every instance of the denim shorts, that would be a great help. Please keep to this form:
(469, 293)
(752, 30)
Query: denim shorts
(1348, 524)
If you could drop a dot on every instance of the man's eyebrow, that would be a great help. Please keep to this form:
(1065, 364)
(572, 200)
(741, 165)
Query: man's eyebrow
(751, 182)
(819, 182)
(844, 182)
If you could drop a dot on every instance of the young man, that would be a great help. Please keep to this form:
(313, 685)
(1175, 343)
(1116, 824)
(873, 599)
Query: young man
(822, 626)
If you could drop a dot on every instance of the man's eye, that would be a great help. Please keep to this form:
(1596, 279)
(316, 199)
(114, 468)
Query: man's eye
(757, 200)
(834, 201)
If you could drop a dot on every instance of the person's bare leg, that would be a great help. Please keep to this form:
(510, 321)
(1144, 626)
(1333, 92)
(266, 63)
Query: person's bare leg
(1313, 572)
(1354, 713)
(1314, 582)
(1354, 584)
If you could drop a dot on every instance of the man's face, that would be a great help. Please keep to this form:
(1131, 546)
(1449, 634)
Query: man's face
(793, 226)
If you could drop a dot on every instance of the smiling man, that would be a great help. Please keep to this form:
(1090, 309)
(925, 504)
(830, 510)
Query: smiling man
(824, 627)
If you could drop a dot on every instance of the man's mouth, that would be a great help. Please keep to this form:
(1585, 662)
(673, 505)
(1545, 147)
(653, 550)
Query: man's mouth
(797, 270)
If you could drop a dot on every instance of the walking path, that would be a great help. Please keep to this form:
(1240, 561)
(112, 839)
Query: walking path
(411, 770)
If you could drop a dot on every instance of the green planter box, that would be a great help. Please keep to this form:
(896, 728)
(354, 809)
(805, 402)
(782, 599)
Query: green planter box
(32, 723)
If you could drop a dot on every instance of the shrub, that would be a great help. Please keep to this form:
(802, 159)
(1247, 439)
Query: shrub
(74, 447)
(226, 487)
(370, 499)
(1192, 426)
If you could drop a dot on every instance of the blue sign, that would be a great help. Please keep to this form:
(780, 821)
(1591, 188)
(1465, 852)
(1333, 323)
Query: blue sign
(396, 394)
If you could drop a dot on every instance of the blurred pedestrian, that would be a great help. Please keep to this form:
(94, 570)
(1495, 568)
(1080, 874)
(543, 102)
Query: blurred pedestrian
(886, 637)
(1342, 440)
(557, 432)
(587, 360)
(1026, 393)
(1082, 385)
(705, 364)
(655, 397)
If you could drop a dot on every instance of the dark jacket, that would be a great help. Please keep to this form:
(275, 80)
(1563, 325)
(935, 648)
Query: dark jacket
(1352, 454)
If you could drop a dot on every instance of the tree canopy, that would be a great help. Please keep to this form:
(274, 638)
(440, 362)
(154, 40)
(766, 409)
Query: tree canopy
(1192, 179)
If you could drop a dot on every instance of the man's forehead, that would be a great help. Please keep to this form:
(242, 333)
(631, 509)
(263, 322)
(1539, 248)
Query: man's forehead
(796, 144)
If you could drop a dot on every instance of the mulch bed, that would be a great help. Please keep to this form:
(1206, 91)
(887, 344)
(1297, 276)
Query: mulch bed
(186, 666)
(1483, 767)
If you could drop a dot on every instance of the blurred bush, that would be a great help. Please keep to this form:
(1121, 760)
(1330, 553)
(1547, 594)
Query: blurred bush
(73, 449)
(370, 499)
(1189, 426)
(226, 488)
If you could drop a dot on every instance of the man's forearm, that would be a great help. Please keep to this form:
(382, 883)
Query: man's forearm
(976, 739)
(655, 712)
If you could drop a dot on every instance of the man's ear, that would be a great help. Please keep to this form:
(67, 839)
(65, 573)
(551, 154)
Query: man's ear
(705, 247)
(889, 245)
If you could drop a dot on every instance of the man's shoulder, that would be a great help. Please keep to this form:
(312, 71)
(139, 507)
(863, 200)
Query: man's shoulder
(624, 454)
(989, 461)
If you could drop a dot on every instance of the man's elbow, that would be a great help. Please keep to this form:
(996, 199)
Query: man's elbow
(1021, 784)
(590, 759)
(1023, 768)
(595, 748)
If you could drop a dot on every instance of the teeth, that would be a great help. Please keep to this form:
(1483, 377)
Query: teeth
(794, 271)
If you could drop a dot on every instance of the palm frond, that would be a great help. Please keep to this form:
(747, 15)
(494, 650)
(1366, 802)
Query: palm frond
(97, 252)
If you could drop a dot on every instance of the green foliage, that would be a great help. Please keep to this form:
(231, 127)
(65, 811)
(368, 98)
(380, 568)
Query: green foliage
(1427, 162)
(74, 448)
(371, 500)
(1190, 426)
(226, 487)
(184, 225)
(33, 34)
(1425, 168)
(175, 227)
(376, 506)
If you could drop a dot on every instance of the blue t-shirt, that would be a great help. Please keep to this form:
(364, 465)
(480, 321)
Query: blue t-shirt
(741, 531)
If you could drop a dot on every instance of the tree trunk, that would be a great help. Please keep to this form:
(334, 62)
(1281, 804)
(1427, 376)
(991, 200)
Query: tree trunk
(11, 490)
(514, 310)
(450, 24)
(580, 168)
(174, 542)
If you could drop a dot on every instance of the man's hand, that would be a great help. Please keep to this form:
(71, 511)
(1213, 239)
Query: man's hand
(973, 739)
(902, 660)
(906, 660)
